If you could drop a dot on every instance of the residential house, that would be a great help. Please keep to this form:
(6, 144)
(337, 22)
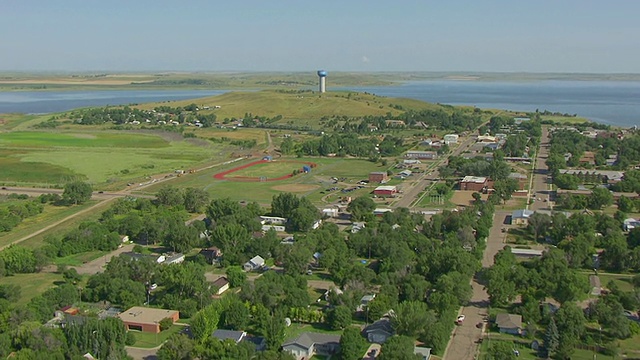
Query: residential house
(276, 228)
(174, 258)
(474, 183)
(330, 212)
(411, 162)
(520, 178)
(589, 157)
(309, 344)
(521, 217)
(212, 254)
(379, 331)
(357, 226)
(255, 263)
(221, 284)
(417, 154)
(630, 224)
(364, 301)
(405, 173)
(273, 220)
(381, 211)
(509, 323)
(137, 256)
(527, 253)
(425, 353)
(235, 336)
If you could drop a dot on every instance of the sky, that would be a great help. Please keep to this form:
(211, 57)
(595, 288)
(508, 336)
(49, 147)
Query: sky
(586, 36)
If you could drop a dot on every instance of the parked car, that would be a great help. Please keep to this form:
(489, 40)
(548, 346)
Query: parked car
(460, 319)
(153, 286)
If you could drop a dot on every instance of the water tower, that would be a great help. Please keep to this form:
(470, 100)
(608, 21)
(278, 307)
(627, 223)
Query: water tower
(321, 79)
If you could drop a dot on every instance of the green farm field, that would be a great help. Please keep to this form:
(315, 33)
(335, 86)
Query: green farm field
(100, 157)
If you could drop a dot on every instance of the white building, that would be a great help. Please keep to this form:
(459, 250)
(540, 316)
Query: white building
(451, 139)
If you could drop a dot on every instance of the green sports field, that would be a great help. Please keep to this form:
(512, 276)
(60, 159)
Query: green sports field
(272, 169)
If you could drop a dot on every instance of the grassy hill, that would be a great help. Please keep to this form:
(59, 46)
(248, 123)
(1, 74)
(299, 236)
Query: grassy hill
(300, 105)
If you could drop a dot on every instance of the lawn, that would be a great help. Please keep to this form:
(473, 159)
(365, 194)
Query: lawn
(50, 215)
(151, 340)
(79, 259)
(118, 140)
(32, 285)
(271, 169)
(311, 184)
(296, 329)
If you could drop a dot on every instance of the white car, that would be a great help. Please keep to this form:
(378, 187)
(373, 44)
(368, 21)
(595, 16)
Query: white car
(153, 286)
(460, 319)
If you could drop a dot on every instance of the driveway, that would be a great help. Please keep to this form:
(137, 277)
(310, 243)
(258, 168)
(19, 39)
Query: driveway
(97, 265)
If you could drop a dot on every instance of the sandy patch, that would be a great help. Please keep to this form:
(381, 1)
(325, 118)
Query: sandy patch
(295, 187)
(465, 197)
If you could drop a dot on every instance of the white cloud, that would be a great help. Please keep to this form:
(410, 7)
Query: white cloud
(365, 59)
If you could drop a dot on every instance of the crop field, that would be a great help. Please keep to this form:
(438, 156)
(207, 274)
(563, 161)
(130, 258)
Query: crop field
(312, 184)
(100, 157)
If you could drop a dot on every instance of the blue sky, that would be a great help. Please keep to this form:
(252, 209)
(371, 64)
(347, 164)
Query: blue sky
(296, 35)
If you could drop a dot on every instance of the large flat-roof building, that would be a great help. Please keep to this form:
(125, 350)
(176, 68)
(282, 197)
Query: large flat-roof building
(385, 190)
(474, 183)
(146, 319)
(378, 177)
(417, 154)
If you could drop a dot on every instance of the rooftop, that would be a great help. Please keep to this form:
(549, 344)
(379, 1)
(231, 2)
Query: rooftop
(474, 179)
(143, 315)
(308, 339)
(386, 188)
(509, 321)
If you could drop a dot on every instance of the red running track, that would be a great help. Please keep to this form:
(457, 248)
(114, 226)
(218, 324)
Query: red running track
(223, 175)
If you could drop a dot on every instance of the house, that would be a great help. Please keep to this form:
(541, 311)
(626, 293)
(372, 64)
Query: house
(451, 139)
(486, 139)
(221, 284)
(175, 258)
(379, 331)
(425, 353)
(509, 323)
(520, 178)
(630, 224)
(254, 264)
(235, 336)
(589, 157)
(316, 224)
(273, 220)
(521, 217)
(417, 154)
(309, 344)
(596, 287)
(381, 211)
(364, 301)
(474, 183)
(519, 120)
(146, 319)
(277, 228)
(411, 162)
(527, 253)
(330, 212)
(212, 254)
(357, 226)
(378, 177)
(385, 190)
(137, 256)
(395, 122)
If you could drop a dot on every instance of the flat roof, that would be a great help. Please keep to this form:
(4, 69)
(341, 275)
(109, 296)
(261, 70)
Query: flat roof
(474, 179)
(143, 315)
(420, 152)
(385, 188)
(531, 252)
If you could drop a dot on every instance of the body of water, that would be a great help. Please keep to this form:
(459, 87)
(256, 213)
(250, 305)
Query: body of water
(609, 102)
(42, 102)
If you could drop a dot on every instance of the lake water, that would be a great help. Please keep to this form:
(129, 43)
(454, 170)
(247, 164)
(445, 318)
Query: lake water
(41, 102)
(609, 102)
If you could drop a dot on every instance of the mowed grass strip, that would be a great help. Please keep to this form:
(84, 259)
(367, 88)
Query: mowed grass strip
(95, 139)
(13, 169)
(32, 285)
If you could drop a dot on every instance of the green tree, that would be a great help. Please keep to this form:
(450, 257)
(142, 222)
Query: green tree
(361, 208)
(570, 322)
(195, 199)
(398, 347)
(551, 338)
(236, 276)
(166, 323)
(501, 350)
(339, 317)
(177, 347)
(236, 316)
(284, 204)
(504, 188)
(600, 197)
(77, 192)
(538, 225)
(170, 196)
(351, 344)
(205, 322)
(411, 317)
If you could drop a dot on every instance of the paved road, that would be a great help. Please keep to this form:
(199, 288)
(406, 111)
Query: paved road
(462, 345)
(411, 191)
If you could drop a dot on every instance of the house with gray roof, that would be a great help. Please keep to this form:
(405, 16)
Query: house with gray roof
(309, 344)
(379, 331)
(521, 217)
(255, 263)
(509, 323)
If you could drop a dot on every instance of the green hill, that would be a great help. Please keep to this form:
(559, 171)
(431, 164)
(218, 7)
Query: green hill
(300, 105)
